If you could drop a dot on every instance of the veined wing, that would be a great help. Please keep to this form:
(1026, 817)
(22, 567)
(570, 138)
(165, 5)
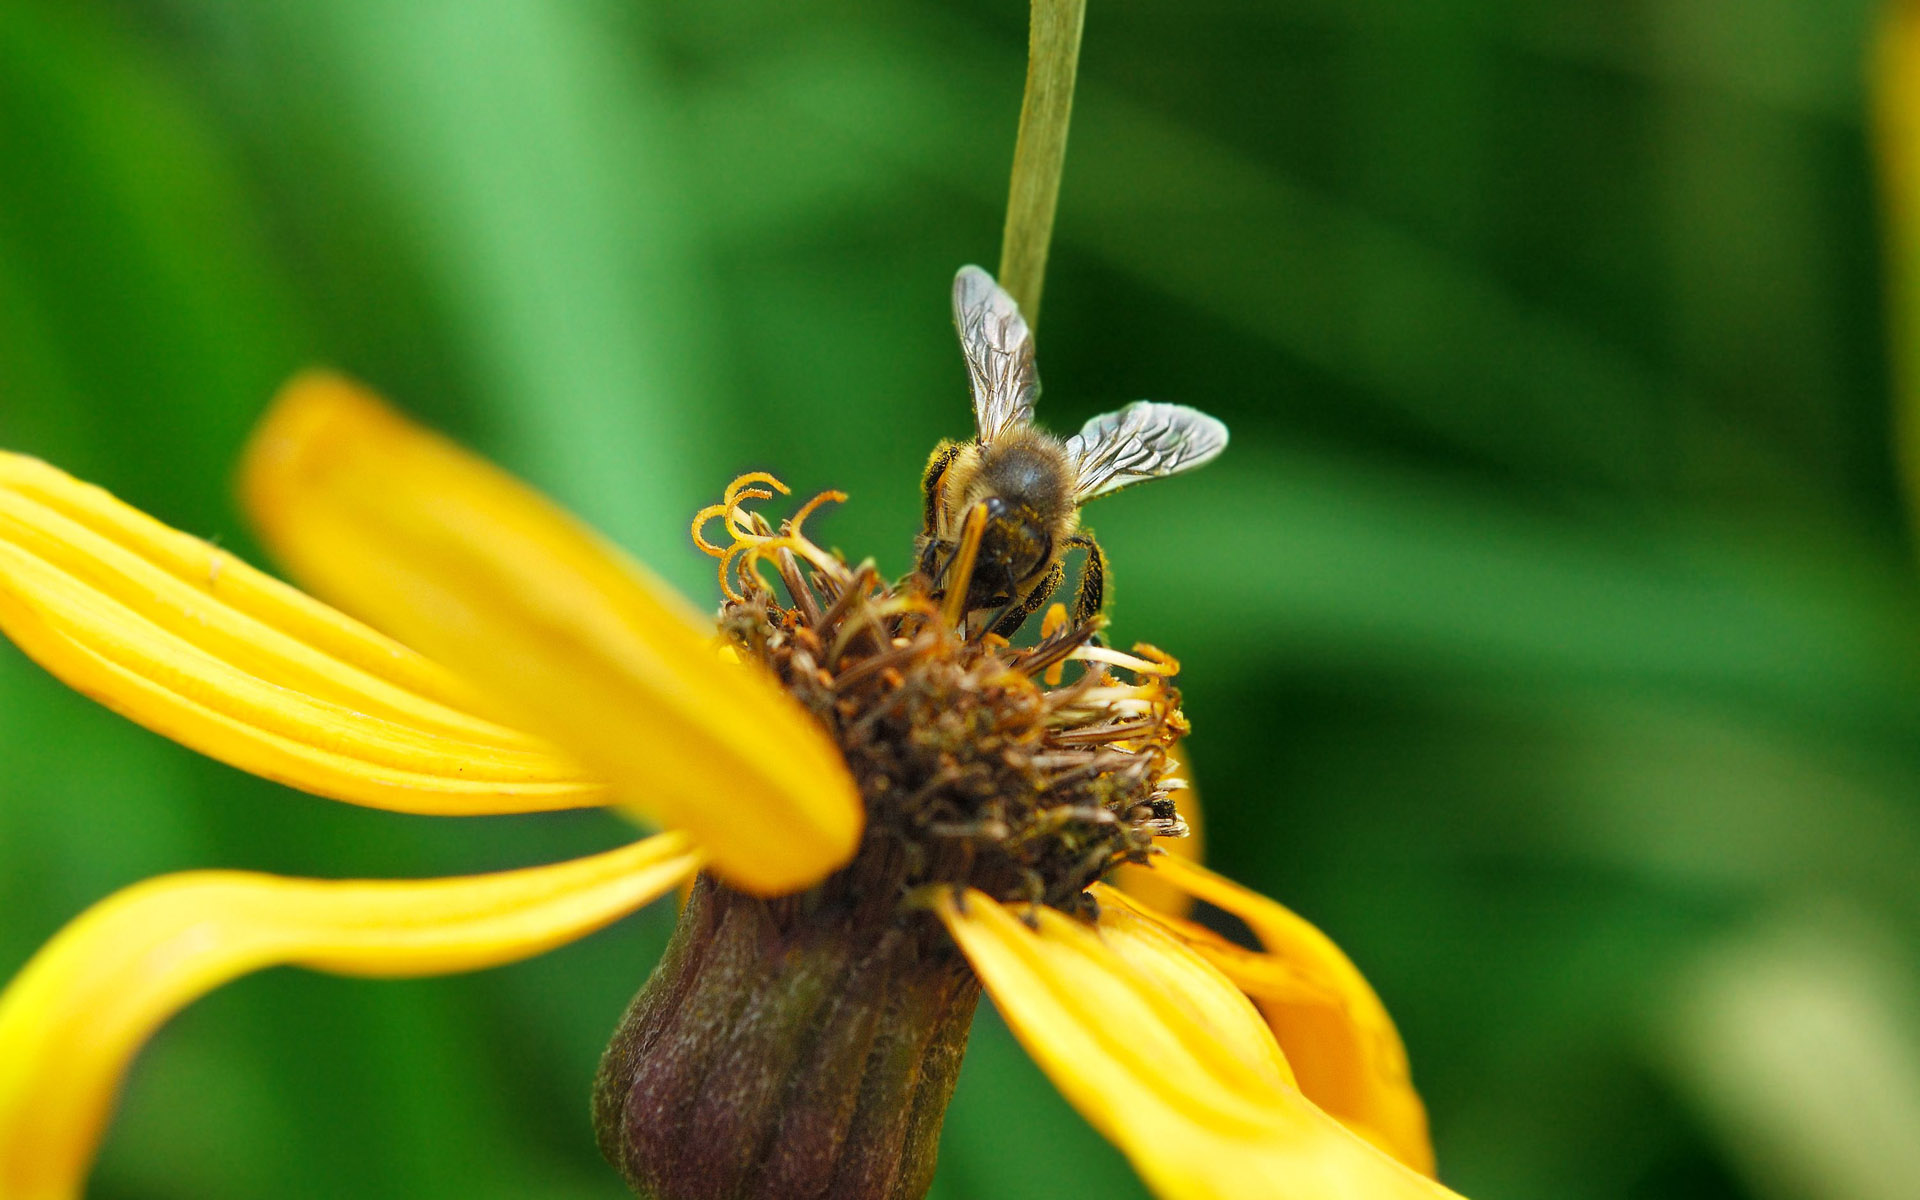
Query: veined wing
(1144, 440)
(999, 349)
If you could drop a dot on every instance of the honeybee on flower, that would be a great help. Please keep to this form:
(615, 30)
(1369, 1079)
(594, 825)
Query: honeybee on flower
(1020, 486)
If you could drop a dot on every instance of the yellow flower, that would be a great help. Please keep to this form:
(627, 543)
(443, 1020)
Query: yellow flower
(522, 664)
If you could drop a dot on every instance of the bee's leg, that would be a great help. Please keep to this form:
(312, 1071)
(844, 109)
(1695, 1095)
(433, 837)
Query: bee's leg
(1015, 614)
(928, 542)
(1091, 595)
(937, 464)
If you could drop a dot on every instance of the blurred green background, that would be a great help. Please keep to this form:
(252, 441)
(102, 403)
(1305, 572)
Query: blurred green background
(1550, 628)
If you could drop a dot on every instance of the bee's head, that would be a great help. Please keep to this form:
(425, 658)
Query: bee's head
(1015, 546)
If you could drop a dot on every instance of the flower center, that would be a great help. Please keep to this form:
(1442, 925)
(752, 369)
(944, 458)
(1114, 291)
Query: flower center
(807, 1045)
(1026, 772)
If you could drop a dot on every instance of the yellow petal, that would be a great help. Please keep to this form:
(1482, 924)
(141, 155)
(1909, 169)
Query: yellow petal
(405, 529)
(1896, 96)
(1152, 889)
(1896, 128)
(1164, 1056)
(79, 1011)
(1337, 1035)
(188, 641)
(1202, 993)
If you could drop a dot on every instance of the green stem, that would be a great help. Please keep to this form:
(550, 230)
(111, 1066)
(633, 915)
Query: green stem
(1053, 57)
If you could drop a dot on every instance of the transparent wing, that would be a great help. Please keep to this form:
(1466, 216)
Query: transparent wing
(999, 349)
(1144, 440)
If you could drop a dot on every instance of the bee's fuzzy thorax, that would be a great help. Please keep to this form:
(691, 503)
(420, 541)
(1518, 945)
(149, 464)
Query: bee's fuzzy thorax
(1023, 482)
(1028, 467)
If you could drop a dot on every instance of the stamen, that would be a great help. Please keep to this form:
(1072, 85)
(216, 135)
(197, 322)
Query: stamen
(806, 510)
(700, 520)
(960, 570)
(762, 547)
(856, 616)
(891, 660)
(1104, 733)
(858, 588)
(797, 585)
(1051, 657)
(737, 516)
(738, 489)
(734, 517)
(1157, 662)
(727, 559)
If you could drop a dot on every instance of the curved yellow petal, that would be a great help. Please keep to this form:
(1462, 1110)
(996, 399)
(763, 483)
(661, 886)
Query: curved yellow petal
(1142, 883)
(1333, 1028)
(183, 638)
(1162, 1054)
(1199, 990)
(405, 529)
(74, 1017)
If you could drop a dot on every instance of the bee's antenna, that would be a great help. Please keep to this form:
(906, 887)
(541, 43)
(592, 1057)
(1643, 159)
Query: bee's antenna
(960, 567)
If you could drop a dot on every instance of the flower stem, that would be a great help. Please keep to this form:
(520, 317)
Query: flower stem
(786, 1048)
(1053, 58)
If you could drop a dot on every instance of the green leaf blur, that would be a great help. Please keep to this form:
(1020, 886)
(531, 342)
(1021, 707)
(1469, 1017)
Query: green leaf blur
(1551, 628)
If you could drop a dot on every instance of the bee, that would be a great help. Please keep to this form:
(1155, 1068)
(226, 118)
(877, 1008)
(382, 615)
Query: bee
(1028, 485)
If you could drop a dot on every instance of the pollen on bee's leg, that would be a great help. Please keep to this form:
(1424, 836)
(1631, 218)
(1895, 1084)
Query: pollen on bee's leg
(1054, 621)
(1050, 627)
